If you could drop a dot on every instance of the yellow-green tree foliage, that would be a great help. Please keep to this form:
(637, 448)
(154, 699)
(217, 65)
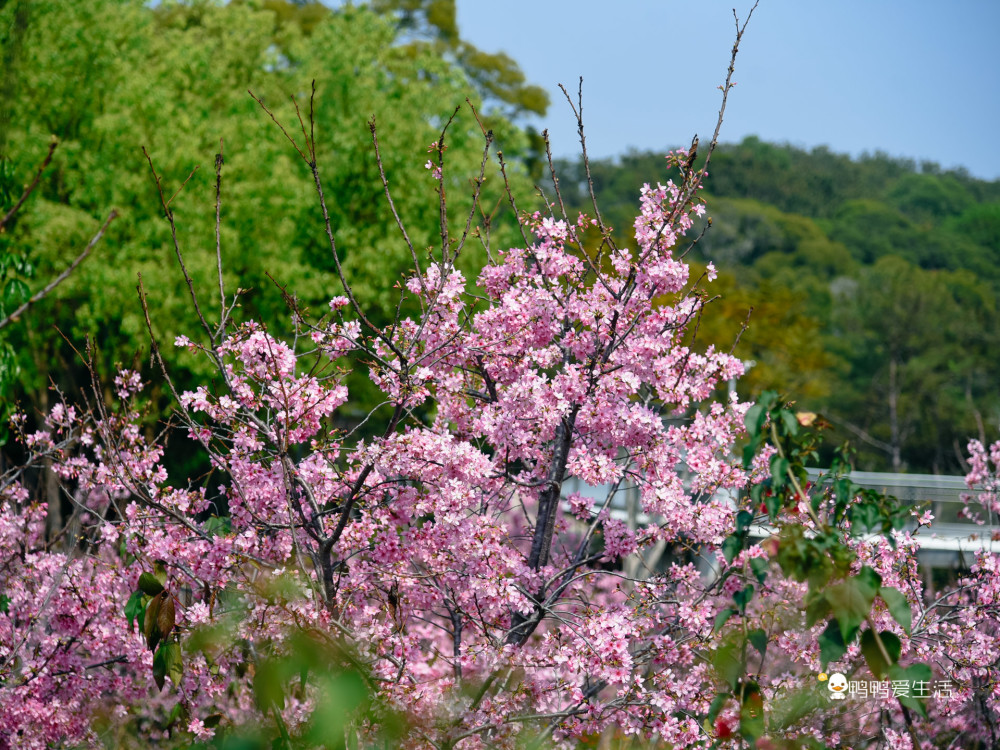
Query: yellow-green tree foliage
(109, 77)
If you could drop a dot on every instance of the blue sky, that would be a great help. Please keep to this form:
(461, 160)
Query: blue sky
(913, 78)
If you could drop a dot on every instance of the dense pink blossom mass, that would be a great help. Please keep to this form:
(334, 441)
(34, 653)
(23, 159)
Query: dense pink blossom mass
(482, 604)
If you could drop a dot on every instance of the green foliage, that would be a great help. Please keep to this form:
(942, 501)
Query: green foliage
(851, 601)
(167, 662)
(913, 674)
(310, 663)
(898, 606)
(875, 652)
(149, 584)
(818, 552)
(173, 78)
(926, 197)
(981, 224)
(135, 609)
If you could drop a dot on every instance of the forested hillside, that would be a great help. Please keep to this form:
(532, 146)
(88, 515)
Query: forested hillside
(873, 284)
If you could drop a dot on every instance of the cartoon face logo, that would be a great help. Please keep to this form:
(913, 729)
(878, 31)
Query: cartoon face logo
(837, 686)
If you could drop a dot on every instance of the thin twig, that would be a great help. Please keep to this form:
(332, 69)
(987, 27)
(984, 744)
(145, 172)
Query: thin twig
(219, 161)
(32, 185)
(510, 197)
(392, 205)
(743, 328)
(291, 140)
(562, 209)
(728, 84)
(312, 121)
(298, 113)
(552, 171)
(442, 202)
(177, 247)
(488, 135)
(578, 113)
(40, 295)
(183, 185)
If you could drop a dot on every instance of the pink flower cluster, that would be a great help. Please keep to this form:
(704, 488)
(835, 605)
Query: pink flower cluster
(441, 553)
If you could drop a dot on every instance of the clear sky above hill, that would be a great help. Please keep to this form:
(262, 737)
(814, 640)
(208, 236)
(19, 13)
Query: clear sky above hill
(917, 78)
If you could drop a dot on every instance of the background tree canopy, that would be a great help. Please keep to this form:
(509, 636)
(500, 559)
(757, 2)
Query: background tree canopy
(111, 77)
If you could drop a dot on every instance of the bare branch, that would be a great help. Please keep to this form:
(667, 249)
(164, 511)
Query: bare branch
(442, 203)
(291, 140)
(219, 161)
(177, 247)
(727, 87)
(552, 171)
(32, 185)
(488, 135)
(578, 113)
(510, 197)
(40, 295)
(392, 205)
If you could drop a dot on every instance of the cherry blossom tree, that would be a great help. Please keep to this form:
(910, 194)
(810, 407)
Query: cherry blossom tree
(423, 578)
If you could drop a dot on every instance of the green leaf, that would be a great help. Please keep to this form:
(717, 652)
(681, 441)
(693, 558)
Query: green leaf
(743, 520)
(752, 713)
(831, 644)
(817, 608)
(779, 471)
(722, 618)
(870, 580)
(134, 610)
(913, 674)
(731, 546)
(179, 711)
(898, 606)
(864, 518)
(772, 502)
(212, 720)
(758, 639)
(759, 567)
(174, 661)
(851, 601)
(4, 603)
(160, 667)
(844, 491)
(754, 419)
(267, 685)
(341, 694)
(150, 623)
(717, 703)
(742, 598)
(728, 662)
(768, 399)
(160, 571)
(149, 585)
(218, 526)
(873, 654)
(15, 293)
(790, 422)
